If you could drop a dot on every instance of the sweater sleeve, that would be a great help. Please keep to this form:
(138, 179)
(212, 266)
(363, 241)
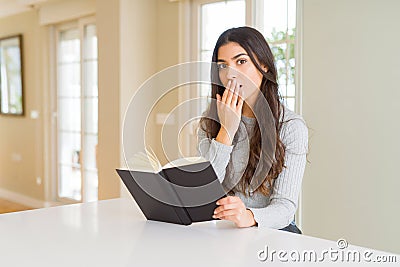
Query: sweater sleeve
(217, 153)
(284, 198)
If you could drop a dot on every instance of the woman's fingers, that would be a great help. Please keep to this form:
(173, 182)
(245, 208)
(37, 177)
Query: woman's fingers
(235, 95)
(226, 213)
(233, 209)
(231, 94)
(226, 207)
(225, 94)
(228, 112)
(228, 200)
(231, 90)
(240, 103)
(229, 206)
(231, 212)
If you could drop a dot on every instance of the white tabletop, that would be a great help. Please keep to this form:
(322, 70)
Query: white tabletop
(115, 233)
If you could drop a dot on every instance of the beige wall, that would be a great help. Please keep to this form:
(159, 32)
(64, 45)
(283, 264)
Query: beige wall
(167, 34)
(23, 135)
(109, 42)
(138, 54)
(351, 104)
(168, 55)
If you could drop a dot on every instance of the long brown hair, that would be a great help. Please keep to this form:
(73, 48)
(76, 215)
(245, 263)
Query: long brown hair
(260, 54)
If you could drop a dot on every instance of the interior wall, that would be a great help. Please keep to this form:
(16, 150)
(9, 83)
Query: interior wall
(21, 142)
(168, 56)
(139, 53)
(109, 67)
(351, 104)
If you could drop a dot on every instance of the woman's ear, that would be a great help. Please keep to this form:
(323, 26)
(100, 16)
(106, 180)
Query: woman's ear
(265, 68)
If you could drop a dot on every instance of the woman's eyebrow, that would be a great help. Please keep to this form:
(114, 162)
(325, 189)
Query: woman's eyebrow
(235, 57)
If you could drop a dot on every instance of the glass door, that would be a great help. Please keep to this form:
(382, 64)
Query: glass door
(77, 112)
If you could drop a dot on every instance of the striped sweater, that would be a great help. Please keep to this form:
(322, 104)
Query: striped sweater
(276, 211)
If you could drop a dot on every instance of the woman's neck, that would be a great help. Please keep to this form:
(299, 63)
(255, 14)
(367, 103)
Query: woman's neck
(247, 111)
(248, 106)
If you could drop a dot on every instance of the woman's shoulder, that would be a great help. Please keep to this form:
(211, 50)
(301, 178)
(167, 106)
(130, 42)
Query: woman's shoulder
(289, 115)
(294, 132)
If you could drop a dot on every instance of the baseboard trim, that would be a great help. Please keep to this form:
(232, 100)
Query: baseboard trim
(25, 200)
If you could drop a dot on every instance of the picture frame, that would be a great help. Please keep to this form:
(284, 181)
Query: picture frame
(11, 76)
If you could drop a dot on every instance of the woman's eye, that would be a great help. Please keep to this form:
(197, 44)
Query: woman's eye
(221, 66)
(241, 61)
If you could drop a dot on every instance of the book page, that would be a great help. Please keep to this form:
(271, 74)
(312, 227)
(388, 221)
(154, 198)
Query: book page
(184, 162)
(145, 161)
(148, 161)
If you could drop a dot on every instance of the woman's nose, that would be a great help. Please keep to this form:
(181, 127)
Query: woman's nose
(231, 73)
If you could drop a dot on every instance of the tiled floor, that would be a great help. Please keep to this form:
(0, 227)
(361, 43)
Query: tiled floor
(7, 206)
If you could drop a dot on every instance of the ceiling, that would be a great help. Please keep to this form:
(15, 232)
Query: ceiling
(12, 7)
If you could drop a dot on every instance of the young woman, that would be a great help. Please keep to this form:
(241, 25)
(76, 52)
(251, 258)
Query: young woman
(234, 136)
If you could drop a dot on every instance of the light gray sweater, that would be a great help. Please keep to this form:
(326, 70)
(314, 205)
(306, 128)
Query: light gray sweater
(276, 211)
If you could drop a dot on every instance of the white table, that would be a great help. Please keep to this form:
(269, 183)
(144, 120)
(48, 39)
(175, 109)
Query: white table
(114, 233)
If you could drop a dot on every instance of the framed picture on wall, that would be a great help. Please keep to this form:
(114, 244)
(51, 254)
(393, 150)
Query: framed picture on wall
(11, 76)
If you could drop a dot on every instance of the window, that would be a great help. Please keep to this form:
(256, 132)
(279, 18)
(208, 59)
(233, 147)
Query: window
(77, 112)
(216, 17)
(277, 21)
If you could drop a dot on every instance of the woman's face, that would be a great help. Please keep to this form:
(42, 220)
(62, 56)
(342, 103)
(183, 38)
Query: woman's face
(234, 63)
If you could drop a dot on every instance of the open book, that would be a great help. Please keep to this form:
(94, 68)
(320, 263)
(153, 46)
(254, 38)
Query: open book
(182, 192)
